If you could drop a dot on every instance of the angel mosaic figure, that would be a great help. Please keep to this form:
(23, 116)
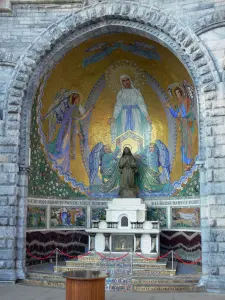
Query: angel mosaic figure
(185, 115)
(147, 176)
(104, 158)
(68, 113)
(150, 178)
(130, 112)
(156, 156)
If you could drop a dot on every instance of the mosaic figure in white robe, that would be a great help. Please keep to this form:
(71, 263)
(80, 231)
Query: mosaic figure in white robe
(130, 112)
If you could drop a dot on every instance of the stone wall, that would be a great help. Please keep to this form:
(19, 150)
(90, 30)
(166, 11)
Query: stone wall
(22, 25)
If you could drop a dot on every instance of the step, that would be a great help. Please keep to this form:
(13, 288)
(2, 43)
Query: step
(120, 287)
(44, 276)
(164, 280)
(167, 289)
(154, 272)
(149, 266)
(42, 283)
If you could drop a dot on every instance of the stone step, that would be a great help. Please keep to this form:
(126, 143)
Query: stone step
(44, 276)
(42, 283)
(149, 266)
(164, 280)
(113, 286)
(167, 288)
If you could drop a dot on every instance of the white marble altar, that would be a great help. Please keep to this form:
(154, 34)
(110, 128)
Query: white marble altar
(125, 229)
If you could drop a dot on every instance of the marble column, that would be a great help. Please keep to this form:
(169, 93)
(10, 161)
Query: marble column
(107, 244)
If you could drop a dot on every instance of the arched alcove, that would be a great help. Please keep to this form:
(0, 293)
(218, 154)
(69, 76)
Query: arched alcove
(91, 22)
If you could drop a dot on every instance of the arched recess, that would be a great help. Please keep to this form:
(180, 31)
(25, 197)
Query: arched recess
(89, 22)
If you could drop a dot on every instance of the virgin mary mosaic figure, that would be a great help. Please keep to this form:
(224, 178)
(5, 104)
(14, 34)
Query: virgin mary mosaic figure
(130, 112)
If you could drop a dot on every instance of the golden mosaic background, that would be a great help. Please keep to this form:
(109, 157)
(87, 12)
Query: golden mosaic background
(69, 74)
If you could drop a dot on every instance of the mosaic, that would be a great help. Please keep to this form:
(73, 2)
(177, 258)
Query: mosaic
(186, 217)
(157, 214)
(85, 119)
(36, 217)
(98, 213)
(67, 217)
(43, 181)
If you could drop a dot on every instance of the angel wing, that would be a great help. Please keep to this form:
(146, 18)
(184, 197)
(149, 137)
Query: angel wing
(94, 161)
(164, 161)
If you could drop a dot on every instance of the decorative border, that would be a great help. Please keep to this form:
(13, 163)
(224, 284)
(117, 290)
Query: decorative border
(90, 204)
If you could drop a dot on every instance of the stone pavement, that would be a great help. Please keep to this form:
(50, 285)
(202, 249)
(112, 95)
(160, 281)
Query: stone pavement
(20, 292)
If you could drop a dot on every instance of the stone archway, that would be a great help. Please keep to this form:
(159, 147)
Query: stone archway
(69, 32)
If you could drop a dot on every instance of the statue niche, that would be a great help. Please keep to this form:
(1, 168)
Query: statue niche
(128, 170)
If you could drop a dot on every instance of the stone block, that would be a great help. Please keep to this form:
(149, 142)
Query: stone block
(12, 200)
(3, 179)
(7, 274)
(218, 188)
(9, 141)
(217, 259)
(210, 141)
(11, 243)
(3, 243)
(220, 222)
(217, 211)
(216, 162)
(2, 264)
(10, 264)
(7, 190)
(218, 129)
(219, 151)
(9, 211)
(219, 139)
(220, 235)
(8, 254)
(7, 231)
(3, 221)
(12, 221)
(214, 271)
(10, 168)
(213, 247)
(12, 178)
(222, 270)
(3, 201)
(215, 283)
(222, 247)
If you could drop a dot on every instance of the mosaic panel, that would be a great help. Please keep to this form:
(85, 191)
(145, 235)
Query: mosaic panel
(98, 213)
(36, 217)
(157, 214)
(64, 217)
(186, 217)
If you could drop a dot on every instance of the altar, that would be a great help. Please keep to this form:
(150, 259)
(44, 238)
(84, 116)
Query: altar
(125, 229)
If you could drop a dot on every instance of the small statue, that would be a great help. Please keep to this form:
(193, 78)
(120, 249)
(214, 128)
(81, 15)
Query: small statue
(128, 169)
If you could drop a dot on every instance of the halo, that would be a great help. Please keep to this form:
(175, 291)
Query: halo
(120, 67)
(128, 146)
(82, 99)
(175, 85)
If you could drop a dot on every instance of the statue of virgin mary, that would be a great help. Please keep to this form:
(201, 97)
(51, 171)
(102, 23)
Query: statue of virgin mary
(130, 112)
